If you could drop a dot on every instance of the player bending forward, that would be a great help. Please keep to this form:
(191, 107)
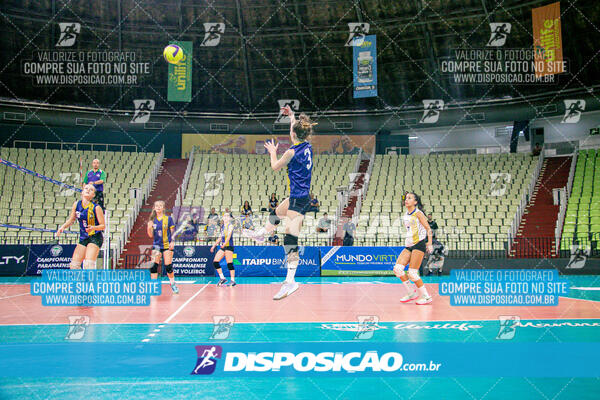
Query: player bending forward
(298, 159)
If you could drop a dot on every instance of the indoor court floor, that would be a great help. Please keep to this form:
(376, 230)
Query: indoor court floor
(324, 310)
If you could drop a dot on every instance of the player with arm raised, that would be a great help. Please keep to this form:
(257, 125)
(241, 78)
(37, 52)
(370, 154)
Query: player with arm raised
(299, 161)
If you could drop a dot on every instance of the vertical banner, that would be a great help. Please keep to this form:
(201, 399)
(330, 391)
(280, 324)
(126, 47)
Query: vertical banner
(365, 68)
(547, 40)
(180, 75)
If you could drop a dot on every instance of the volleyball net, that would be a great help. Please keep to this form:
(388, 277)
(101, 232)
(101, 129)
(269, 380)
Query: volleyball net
(40, 217)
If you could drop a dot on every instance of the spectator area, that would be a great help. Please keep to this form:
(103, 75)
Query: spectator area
(33, 202)
(582, 219)
(459, 190)
(250, 177)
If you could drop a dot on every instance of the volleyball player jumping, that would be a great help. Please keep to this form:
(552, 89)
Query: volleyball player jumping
(160, 228)
(226, 242)
(418, 241)
(298, 159)
(91, 225)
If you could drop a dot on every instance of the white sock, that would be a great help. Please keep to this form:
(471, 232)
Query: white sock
(423, 291)
(408, 286)
(172, 280)
(291, 271)
(221, 274)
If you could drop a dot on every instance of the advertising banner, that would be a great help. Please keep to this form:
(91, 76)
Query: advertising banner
(547, 40)
(364, 68)
(180, 75)
(192, 261)
(13, 259)
(254, 144)
(358, 261)
(236, 360)
(48, 256)
(269, 261)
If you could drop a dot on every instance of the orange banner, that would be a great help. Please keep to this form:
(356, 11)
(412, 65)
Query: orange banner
(547, 40)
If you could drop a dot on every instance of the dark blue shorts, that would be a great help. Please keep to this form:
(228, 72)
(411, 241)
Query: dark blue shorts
(299, 204)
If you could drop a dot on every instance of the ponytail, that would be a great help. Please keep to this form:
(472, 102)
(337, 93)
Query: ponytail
(303, 127)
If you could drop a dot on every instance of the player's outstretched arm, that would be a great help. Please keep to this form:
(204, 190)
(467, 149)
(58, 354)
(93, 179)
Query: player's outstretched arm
(277, 164)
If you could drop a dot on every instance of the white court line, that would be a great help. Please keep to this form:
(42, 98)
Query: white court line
(185, 304)
(326, 322)
(15, 295)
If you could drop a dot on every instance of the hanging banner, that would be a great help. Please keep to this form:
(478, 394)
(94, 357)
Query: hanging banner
(547, 40)
(365, 68)
(255, 144)
(180, 75)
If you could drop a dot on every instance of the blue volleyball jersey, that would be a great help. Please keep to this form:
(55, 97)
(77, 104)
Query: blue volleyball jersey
(162, 232)
(224, 235)
(86, 217)
(300, 170)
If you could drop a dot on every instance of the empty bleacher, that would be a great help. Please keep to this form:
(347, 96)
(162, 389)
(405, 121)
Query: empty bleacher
(32, 202)
(471, 197)
(250, 177)
(582, 219)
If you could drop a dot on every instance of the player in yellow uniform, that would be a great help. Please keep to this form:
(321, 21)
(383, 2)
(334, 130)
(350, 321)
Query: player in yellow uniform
(418, 241)
(91, 225)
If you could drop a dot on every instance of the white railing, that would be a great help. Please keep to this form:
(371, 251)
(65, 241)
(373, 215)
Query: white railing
(76, 145)
(525, 199)
(365, 187)
(343, 196)
(142, 195)
(181, 190)
(564, 199)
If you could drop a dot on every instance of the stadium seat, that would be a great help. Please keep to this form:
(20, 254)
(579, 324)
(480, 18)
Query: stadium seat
(33, 202)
